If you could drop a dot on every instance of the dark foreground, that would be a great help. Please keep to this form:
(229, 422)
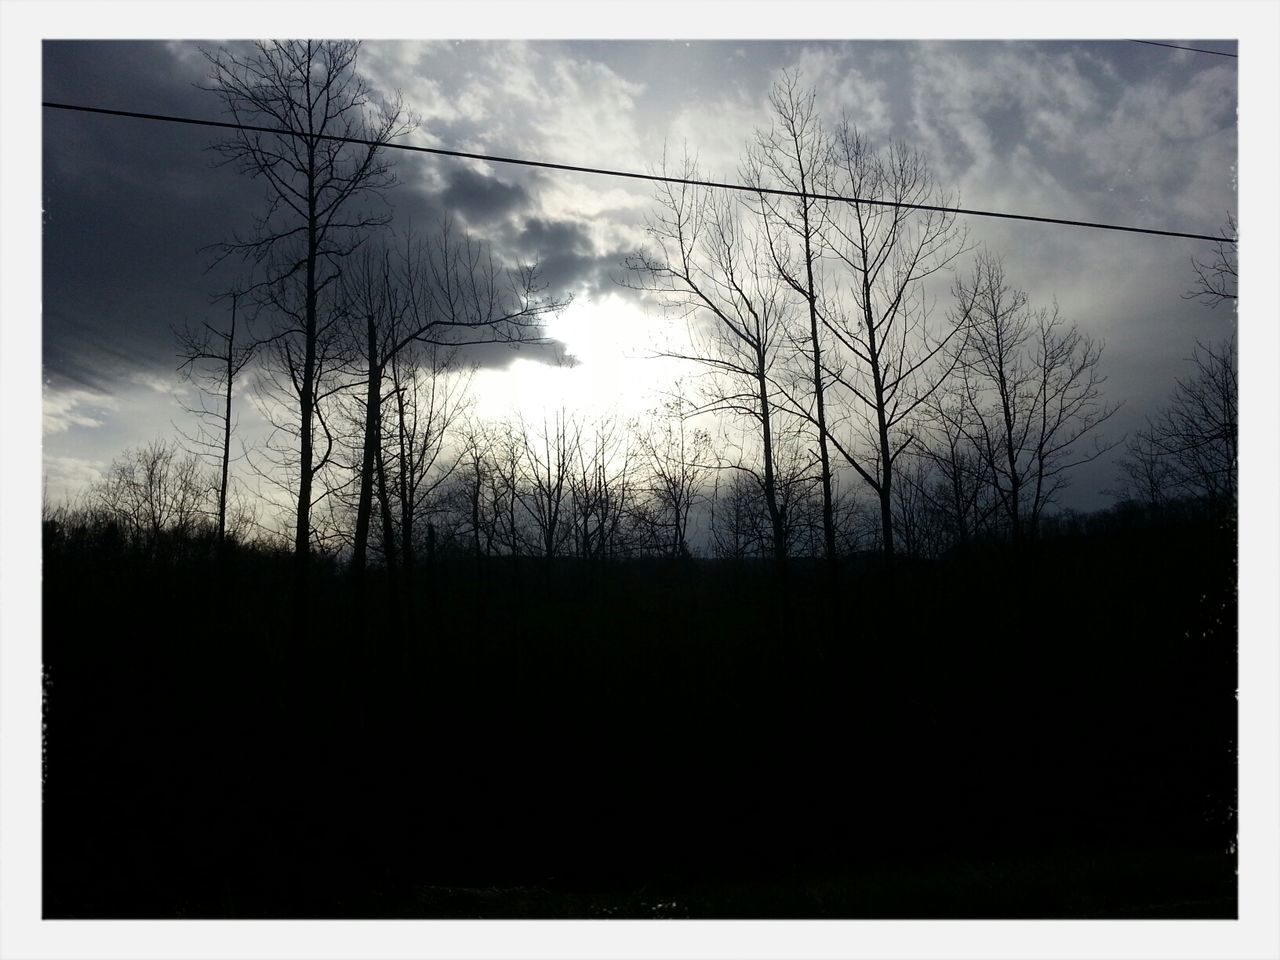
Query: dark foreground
(1047, 732)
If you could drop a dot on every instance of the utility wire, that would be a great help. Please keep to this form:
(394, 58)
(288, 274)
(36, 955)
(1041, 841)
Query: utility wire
(1175, 46)
(653, 177)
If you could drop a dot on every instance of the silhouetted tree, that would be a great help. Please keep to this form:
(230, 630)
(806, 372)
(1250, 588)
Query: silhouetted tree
(917, 517)
(155, 489)
(712, 266)
(212, 359)
(885, 364)
(795, 154)
(678, 458)
(447, 292)
(800, 493)
(960, 487)
(1216, 276)
(738, 529)
(1191, 447)
(1033, 388)
(277, 461)
(602, 486)
(374, 299)
(1146, 474)
(505, 485)
(546, 464)
(478, 489)
(316, 186)
(430, 395)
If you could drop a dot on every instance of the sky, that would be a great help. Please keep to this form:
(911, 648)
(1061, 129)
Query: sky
(1109, 131)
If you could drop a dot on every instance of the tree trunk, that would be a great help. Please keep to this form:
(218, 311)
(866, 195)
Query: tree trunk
(1015, 508)
(828, 513)
(886, 511)
(226, 433)
(388, 527)
(882, 426)
(406, 491)
(372, 420)
(302, 538)
(770, 480)
(475, 521)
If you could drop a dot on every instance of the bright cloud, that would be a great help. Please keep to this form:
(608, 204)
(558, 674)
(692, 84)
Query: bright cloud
(75, 407)
(610, 363)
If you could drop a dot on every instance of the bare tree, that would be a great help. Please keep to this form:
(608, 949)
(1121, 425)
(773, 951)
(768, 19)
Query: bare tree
(1216, 277)
(601, 486)
(278, 461)
(316, 185)
(917, 519)
(546, 466)
(430, 394)
(375, 301)
(886, 364)
(714, 270)
(960, 490)
(795, 154)
(866, 358)
(505, 486)
(1146, 473)
(212, 359)
(738, 529)
(1032, 384)
(1191, 448)
(799, 492)
(478, 490)
(444, 293)
(155, 489)
(678, 457)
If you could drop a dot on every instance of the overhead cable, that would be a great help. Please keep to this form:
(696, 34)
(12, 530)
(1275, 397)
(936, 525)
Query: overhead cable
(652, 177)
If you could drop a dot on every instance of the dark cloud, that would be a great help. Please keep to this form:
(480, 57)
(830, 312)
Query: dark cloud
(500, 355)
(592, 275)
(100, 72)
(128, 207)
(566, 257)
(482, 200)
(424, 213)
(542, 234)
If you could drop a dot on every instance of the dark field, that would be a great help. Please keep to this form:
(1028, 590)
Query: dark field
(1041, 732)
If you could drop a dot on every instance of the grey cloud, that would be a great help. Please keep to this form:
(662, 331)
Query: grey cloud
(566, 257)
(539, 233)
(128, 205)
(562, 270)
(482, 200)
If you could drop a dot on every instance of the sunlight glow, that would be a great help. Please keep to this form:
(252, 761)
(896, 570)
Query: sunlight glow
(609, 365)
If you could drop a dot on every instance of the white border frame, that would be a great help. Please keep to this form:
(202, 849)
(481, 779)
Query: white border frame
(23, 934)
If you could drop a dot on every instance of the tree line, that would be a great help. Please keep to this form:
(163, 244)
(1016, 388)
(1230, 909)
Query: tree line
(855, 414)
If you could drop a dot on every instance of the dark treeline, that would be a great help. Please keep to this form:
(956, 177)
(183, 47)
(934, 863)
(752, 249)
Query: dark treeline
(601, 488)
(812, 638)
(1042, 732)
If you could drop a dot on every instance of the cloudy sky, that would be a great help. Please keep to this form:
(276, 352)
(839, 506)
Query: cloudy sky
(1106, 130)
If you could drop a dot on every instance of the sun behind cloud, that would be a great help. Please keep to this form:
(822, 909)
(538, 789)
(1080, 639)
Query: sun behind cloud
(609, 361)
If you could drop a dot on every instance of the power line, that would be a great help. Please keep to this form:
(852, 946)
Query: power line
(1175, 46)
(652, 177)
